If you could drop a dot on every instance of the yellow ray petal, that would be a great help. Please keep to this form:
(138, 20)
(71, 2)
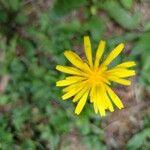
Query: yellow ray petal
(92, 90)
(101, 104)
(95, 105)
(103, 79)
(81, 103)
(76, 60)
(69, 80)
(75, 78)
(116, 100)
(106, 99)
(125, 73)
(93, 98)
(77, 84)
(64, 82)
(70, 87)
(72, 56)
(86, 68)
(72, 92)
(99, 53)
(80, 94)
(88, 51)
(126, 64)
(121, 73)
(113, 54)
(119, 80)
(70, 70)
(102, 69)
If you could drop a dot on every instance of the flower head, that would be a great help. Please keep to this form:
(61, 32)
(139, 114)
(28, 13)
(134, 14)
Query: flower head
(92, 78)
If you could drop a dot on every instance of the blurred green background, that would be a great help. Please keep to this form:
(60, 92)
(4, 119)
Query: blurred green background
(33, 37)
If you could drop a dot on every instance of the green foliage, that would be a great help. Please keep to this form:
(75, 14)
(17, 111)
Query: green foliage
(32, 42)
(96, 27)
(120, 15)
(147, 26)
(63, 7)
(140, 140)
(127, 3)
(141, 52)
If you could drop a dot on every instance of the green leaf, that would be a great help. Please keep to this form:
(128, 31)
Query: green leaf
(139, 141)
(127, 37)
(21, 18)
(6, 139)
(142, 45)
(127, 3)
(14, 4)
(3, 16)
(40, 38)
(147, 26)
(141, 53)
(29, 144)
(63, 7)
(95, 140)
(19, 117)
(146, 61)
(4, 99)
(95, 26)
(72, 26)
(120, 15)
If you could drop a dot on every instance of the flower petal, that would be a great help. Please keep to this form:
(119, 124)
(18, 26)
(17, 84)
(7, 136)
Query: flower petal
(121, 73)
(92, 90)
(119, 80)
(113, 54)
(81, 103)
(87, 48)
(99, 101)
(95, 105)
(99, 53)
(64, 82)
(107, 99)
(74, 90)
(126, 64)
(116, 100)
(77, 84)
(70, 70)
(80, 94)
(76, 60)
(69, 80)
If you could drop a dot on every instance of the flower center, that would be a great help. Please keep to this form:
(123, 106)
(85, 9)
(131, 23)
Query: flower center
(94, 77)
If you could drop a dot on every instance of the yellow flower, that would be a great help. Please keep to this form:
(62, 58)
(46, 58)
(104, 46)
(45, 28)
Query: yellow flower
(93, 78)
